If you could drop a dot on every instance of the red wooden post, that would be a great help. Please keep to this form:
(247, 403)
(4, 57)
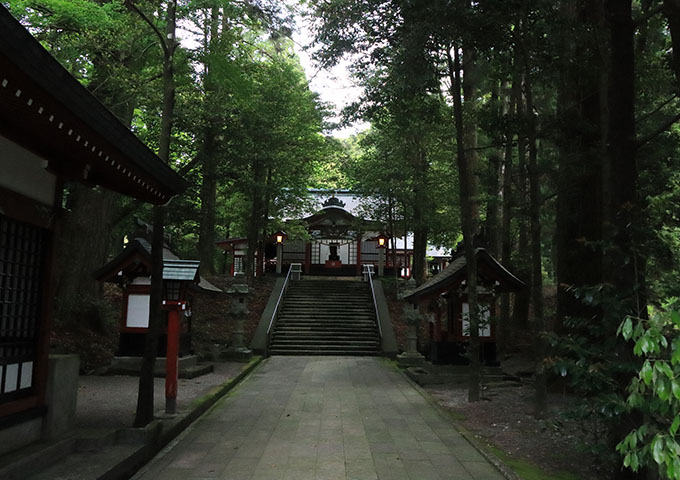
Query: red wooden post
(359, 256)
(172, 357)
(308, 258)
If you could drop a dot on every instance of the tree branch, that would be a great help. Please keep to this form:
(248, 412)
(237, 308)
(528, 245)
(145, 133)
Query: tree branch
(656, 110)
(192, 163)
(652, 135)
(130, 4)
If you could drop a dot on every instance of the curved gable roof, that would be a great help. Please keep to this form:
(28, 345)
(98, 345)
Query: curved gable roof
(488, 268)
(46, 110)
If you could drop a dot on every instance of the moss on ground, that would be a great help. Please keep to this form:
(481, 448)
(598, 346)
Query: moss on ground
(528, 471)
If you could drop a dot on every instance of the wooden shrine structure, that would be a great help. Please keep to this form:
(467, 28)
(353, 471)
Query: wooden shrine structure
(52, 130)
(131, 269)
(444, 297)
(340, 243)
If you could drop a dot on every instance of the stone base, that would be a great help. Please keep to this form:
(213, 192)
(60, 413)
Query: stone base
(406, 360)
(238, 354)
(188, 366)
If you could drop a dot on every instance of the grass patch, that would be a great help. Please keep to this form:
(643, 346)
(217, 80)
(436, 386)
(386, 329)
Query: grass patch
(529, 471)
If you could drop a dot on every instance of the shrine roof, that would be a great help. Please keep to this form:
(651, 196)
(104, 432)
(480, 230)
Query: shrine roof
(489, 270)
(185, 270)
(135, 259)
(232, 240)
(47, 111)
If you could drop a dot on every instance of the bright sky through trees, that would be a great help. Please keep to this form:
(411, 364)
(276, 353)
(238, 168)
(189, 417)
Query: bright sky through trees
(334, 86)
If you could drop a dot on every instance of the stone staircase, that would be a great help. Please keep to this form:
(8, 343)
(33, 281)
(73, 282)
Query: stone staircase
(326, 317)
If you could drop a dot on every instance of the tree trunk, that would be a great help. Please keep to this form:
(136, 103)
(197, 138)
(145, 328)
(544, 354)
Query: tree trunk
(579, 200)
(88, 220)
(145, 405)
(623, 260)
(493, 185)
(208, 191)
(522, 263)
(255, 220)
(541, 398)
(208, 195)
(265, 222)
(83, 248)
(420, 213)
(468, 221)
(506, 234)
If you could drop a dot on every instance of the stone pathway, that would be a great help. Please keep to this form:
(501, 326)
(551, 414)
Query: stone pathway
(314, 418)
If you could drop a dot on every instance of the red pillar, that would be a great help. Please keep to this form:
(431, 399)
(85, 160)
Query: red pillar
(359, 255)
(308, 257)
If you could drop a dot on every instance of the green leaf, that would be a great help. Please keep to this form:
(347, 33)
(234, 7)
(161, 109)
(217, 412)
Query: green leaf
(664, 368)
(645, 344)
(675, 317)
(647, 373)
(657, 449)
(674, 426)
(634, 462)
(675, 358)
(662, 390)
(675, 387)
(626, 328)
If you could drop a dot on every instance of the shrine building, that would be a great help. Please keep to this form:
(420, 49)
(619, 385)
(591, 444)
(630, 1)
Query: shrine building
(52, 130)
(340, 241)
(444, 299)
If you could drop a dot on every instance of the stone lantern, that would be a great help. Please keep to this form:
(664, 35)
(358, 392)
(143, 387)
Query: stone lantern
(411, 357)
(238, 293)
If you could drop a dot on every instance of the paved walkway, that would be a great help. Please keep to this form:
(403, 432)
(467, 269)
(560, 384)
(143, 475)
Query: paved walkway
(314, 418)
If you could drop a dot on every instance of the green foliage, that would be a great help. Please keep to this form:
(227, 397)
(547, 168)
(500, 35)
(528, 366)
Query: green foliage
(655, 392)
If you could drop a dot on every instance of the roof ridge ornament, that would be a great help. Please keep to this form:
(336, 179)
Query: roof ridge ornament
(334, 202)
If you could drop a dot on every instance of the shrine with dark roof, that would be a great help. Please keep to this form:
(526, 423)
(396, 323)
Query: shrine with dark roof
(444, 301)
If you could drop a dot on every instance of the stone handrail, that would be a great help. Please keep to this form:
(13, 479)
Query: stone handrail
(368, 276)
(278, 302)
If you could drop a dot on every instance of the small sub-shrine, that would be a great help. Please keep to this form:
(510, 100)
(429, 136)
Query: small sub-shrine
(444, 298)
(131, 269)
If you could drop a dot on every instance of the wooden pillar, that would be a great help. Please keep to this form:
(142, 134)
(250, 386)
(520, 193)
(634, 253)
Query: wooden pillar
(308, 257)
(359, 255)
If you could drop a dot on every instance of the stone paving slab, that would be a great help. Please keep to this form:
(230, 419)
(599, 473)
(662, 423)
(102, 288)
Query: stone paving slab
(322, 418)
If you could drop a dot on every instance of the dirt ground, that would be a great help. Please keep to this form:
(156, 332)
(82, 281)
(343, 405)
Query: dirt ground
(505, 421)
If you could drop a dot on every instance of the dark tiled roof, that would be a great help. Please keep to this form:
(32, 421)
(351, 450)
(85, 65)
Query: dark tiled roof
(173, 267)
(47, 108)
(456, 272)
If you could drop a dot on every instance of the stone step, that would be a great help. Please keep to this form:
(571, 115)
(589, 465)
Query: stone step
(352, 300)
(332, 314)
(303, 351)
(344, 337)
(324, 317)
(328, 325)
(324, 348)
(351, 342)
(326, 322)
(319, 309)
(328, 302)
